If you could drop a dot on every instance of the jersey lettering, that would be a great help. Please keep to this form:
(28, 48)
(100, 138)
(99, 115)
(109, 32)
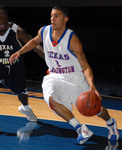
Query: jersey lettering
(57, 63)
(6, 47)
(58, 56)
(5, 61)
(7, 54)
(68, 69)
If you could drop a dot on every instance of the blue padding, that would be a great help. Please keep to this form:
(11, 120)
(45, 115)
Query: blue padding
(112, 104)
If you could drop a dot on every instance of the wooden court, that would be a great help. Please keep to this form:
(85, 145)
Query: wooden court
(9, 108)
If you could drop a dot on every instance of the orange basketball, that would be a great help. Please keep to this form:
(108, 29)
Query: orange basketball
(88, 103)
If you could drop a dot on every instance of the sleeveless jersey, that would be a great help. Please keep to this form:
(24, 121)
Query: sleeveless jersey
(14, 76)
(9, 44)
(66, 80)
(58, 55)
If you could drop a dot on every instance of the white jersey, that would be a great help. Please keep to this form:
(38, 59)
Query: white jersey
(66, 80)
(58, 55)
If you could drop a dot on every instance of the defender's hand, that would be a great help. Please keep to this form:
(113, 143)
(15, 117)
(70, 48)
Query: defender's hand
(14, 57)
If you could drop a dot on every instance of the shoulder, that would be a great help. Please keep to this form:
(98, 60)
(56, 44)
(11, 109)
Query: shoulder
(70, 30)
(22, 35)
(75, 43)
(16, 28)
(70, 33)
(74, 37)
(13, 26)
(43, 29)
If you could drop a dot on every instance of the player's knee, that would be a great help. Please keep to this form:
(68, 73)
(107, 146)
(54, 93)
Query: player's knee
(51, 102)
(53, 105)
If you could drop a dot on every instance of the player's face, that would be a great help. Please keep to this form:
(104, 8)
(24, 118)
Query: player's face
(58, 20)
(3, 21)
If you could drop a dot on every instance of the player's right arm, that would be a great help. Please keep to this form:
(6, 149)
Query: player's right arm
(77, 48)
(30, 45)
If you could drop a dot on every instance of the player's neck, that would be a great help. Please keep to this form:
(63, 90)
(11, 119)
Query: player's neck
(56, 34)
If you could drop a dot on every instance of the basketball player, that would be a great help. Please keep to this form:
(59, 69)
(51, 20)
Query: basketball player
(69, 72)
(14, 77)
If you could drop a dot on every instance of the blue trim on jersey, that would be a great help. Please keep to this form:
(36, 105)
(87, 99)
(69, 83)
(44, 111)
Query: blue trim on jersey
(51, 34)
(42, 32)
(60, 37)
(68, 46)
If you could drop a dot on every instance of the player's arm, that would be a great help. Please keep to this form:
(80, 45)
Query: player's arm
(23, 36)
(76, 47)
(30, 45)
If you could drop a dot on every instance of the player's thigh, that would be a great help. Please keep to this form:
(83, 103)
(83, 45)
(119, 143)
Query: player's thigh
(55, 88)
(74, 90)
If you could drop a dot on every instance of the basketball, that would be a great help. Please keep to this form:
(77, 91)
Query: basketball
(88, 103)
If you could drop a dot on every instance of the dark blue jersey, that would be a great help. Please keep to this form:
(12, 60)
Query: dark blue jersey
(9, 44)
(14, 75)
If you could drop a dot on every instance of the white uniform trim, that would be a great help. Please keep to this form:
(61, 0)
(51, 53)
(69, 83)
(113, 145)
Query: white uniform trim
(14, 28)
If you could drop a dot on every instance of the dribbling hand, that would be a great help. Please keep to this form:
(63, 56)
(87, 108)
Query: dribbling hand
(93, 88)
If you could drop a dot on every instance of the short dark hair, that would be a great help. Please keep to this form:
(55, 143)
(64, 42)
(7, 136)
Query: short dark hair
(2, 7)
(64, 10)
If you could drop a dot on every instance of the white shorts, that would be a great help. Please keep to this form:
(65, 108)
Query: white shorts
(64, 90)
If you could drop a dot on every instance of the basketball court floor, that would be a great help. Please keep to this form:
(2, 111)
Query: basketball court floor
(51, 132)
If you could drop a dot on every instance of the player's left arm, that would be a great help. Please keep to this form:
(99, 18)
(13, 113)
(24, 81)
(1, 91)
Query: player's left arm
(77, 48)
(24, 37)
